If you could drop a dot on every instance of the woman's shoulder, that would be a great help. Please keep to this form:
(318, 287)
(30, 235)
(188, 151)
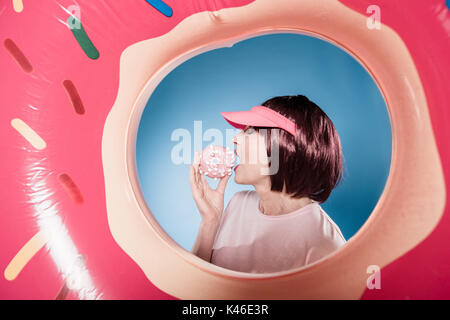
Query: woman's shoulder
(241, 200)
(330, 227)
(245, 195)
(238, 203)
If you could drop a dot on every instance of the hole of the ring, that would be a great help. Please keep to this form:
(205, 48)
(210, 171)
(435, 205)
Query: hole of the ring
(184, 111)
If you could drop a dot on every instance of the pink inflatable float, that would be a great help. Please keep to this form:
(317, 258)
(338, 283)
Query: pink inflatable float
(75, 78)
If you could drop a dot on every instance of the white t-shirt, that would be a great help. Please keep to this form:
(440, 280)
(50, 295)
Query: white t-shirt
(250, 241)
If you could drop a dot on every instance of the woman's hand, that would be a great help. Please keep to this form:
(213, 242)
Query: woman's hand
(209, 202)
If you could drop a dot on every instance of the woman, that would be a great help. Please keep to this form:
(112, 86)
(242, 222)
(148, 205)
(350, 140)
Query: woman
(280, 225)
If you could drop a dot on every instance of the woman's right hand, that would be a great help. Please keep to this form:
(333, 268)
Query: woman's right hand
(209, 202)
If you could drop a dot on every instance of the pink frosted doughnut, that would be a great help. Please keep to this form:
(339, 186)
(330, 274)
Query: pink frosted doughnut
(216, 161)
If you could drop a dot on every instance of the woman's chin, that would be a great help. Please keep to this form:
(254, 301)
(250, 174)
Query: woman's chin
(237, 178)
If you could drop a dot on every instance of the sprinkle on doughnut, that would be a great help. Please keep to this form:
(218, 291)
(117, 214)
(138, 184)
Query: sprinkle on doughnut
(18, 55)
(71, 188)
(216, 162)
(29, 134)
(74, 96)
(24, 255)
(63, 292)
(161, 7)
(82, 37)
(17, 5)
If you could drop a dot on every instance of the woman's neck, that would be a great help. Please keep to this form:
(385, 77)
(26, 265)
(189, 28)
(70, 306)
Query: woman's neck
(274, 203)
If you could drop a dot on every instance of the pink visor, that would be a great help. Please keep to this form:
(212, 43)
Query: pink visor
(260, 116)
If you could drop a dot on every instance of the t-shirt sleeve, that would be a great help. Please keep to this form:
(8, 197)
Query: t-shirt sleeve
(325, 247)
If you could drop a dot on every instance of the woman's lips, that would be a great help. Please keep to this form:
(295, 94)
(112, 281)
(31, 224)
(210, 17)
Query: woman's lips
(235, 167)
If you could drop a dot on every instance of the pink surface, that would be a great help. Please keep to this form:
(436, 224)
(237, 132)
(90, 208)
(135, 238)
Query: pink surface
(424, 272)
(73, 140)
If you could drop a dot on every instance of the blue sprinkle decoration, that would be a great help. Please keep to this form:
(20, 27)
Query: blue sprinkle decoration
(161, 7)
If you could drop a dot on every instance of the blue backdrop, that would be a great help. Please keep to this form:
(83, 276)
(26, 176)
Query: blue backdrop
(237, 78)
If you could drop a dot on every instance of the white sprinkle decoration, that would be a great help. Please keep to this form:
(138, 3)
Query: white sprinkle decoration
(218, 161)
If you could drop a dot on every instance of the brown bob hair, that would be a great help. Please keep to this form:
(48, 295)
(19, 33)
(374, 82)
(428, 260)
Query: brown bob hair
(310, 164)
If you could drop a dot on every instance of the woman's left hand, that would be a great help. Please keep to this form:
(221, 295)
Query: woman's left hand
(210, 202)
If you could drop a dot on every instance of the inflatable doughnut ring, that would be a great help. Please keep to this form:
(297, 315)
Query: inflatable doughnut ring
(216, 161)
(76, 76)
